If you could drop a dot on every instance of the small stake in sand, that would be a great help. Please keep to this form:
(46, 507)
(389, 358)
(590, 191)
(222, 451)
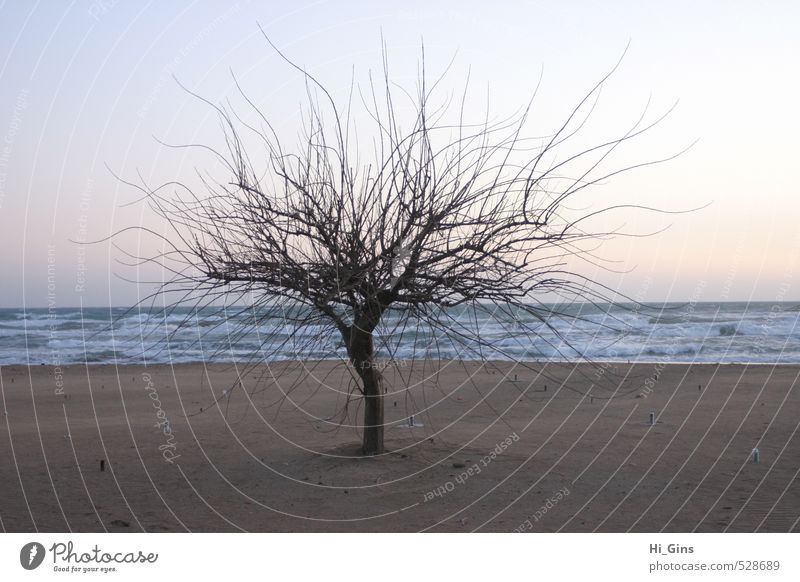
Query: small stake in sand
(102, 465)
(756, 456)
(652, 418)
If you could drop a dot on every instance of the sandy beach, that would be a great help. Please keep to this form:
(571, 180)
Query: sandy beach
(562, 448)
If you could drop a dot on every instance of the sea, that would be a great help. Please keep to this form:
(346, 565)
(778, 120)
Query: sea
(729, 332)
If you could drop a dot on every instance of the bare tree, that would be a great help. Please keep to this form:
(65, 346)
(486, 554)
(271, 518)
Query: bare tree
(442, 215)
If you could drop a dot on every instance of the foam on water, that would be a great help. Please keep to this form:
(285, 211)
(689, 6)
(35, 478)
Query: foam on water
(703, 332)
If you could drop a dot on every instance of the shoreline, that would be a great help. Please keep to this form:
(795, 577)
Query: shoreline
(404, 363)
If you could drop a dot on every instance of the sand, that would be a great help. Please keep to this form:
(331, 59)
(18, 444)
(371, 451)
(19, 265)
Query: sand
(89, 449)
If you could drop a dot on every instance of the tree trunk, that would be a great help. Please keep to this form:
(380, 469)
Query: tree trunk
(360, 348)
(372, 443)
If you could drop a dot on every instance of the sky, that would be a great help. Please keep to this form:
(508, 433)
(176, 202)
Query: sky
(88, 92)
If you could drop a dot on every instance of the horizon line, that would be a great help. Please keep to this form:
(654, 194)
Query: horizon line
(240, 305)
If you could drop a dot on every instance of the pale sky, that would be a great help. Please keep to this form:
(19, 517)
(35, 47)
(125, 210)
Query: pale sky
(86, 86)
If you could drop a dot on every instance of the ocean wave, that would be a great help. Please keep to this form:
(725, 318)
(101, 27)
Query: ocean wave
(703, 333)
